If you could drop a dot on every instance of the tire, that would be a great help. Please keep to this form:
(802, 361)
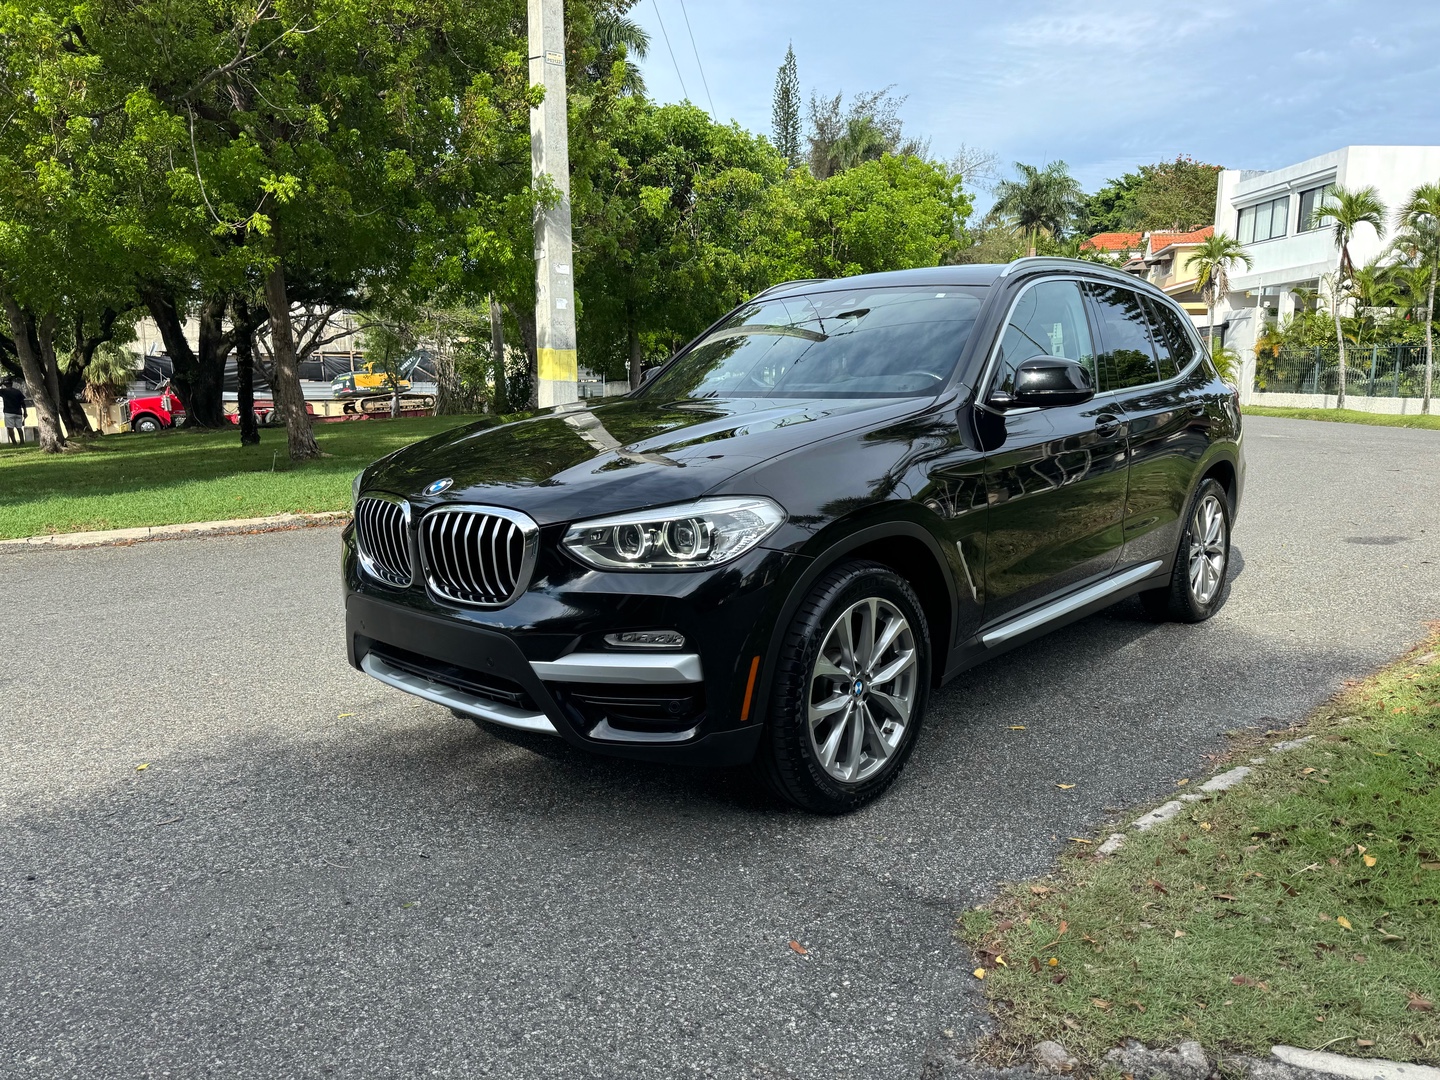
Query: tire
(809, 754)
(146, 424)
(1197, 591)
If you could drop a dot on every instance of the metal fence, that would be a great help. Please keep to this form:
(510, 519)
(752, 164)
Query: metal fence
(1370, 371)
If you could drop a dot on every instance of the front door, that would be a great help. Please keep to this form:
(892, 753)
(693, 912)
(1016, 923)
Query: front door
(1056, 488)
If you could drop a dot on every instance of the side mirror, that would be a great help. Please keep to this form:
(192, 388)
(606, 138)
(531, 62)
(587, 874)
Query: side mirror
(1046, 381)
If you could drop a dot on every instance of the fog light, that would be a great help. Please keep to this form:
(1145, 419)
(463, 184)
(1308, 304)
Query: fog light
(646, 639)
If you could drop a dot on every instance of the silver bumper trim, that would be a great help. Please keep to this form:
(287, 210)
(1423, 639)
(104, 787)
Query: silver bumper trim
(605, 733)
(620, 667)
(1066, 604)
(469, 704)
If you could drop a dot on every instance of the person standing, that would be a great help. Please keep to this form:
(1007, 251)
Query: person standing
(13, 402)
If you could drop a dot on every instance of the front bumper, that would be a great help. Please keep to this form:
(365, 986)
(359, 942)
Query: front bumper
(540, 665)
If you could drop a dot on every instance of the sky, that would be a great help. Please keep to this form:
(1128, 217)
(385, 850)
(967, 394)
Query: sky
(1103, 85)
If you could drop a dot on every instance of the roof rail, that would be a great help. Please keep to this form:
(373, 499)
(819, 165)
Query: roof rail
(786, 285)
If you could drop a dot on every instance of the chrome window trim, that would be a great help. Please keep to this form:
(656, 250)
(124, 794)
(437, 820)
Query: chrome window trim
(366, 563)
(985, 385)
(529, 532)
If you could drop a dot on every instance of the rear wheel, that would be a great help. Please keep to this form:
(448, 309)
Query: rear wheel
(1197, 584)
(850, 690)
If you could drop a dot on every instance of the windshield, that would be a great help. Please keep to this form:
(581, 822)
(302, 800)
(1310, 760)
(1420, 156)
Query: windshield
(878, 342)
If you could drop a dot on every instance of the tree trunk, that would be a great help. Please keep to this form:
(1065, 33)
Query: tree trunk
(500, 403)
(632, 339)
(198, 380)
(1429, 341)
(285, 380)
(27, 349)
(1339, 336)
(245, 372)
(1210, 331)
(525, 320)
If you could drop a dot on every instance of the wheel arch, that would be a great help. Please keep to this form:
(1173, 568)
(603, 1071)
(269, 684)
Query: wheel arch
(905, 547)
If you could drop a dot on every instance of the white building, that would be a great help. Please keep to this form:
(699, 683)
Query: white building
(1269, 212)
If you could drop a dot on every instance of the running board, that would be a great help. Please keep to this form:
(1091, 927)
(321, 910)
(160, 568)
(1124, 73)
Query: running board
(1066, 604)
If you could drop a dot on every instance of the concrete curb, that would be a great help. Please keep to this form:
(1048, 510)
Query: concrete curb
(116, 537)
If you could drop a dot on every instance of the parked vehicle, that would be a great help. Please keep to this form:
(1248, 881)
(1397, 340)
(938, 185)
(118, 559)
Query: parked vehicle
(151, 412)
(838, 498)
(369, 378)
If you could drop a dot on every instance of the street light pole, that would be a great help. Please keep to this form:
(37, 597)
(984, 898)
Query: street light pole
(550, 156)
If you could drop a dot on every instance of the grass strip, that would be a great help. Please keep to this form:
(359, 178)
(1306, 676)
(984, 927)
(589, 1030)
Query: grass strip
(1347, 416)
(176, 476)
(1302, 907)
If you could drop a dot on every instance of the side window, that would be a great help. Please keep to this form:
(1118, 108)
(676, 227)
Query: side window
(1048, 320)
(1174, 348)
(1127, 356)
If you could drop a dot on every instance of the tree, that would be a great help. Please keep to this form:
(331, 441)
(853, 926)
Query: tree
(841, 137)
(1175, 195)
(1345, 210)
(785, 110)
(616, 39)
(1419, 235)
(1041, 201)
(1212, 261)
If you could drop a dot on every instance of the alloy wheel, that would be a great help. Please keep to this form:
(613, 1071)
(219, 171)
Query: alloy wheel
(862, 690)
(1208, 549)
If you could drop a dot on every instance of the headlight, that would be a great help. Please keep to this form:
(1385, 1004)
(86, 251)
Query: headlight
(707, 532)
(355, 489)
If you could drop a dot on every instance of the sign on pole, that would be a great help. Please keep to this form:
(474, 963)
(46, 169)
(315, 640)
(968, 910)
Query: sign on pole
(550, 156)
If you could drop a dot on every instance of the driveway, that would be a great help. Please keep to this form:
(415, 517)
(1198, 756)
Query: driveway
(314, 875)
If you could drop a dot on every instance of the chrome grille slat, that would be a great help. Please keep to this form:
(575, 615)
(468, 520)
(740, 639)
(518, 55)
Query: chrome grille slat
(477, 555)
(382, 528)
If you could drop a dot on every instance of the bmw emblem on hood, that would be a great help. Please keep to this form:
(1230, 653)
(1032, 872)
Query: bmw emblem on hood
(436, 487)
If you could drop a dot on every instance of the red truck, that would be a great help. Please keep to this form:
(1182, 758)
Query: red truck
(163, 409)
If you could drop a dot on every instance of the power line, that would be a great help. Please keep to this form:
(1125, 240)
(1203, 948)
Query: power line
(697, 61)
(658, 18)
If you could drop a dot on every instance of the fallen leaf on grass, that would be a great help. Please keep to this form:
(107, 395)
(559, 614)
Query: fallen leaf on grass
(1430, 866)
(1222, 896)
(1041, 890)
(1182, 783)
(1369, 860)
(979, 973)
(1080, 840)
(1100, 1003)
(1246, 980)
(1364, 1042)
(1343, 921)
(1137, 1006)
(1158, 887)
(1418, 1003)
(1179, 933)
(799, 948)
(1071, 1024)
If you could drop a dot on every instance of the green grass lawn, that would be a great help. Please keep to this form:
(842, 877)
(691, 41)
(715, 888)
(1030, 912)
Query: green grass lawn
(1347, 416)
(1302, 907)
(119, 481)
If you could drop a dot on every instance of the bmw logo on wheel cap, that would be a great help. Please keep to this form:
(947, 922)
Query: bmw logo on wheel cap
(436, 487)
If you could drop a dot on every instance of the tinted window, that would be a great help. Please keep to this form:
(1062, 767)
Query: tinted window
(1174, 348)
(1048, 320)
(847, 343)
(1127, 359)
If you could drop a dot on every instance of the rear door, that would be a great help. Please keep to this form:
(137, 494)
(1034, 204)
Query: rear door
(1150, 364)
(1056, 488)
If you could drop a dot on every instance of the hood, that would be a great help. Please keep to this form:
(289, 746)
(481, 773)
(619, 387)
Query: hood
(626, 454)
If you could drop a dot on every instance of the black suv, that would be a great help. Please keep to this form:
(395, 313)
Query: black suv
(840, 496)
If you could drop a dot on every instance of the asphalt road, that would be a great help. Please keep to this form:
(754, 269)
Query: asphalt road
(315, 875)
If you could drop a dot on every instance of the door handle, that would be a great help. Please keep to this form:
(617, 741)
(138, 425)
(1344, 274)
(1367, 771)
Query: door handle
(1107, 424)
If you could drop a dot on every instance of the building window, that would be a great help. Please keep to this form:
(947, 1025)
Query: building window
(1264, 221)
(1309, 200)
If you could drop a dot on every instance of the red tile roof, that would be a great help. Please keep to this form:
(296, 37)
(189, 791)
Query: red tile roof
(1114, 241)
(1159, 241)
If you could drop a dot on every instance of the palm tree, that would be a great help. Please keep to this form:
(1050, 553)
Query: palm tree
(1420, 234)
(1040, 200)
(619, 37)
(1345, 210)
(1212, 260)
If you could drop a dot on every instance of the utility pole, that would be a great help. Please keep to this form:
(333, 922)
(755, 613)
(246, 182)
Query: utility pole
(550, 155)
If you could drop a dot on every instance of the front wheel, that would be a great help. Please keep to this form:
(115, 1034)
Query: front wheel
(1197, 584)
(850, 690)
(146, 424)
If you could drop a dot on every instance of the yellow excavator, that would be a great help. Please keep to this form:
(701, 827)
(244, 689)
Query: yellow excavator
(369, 378)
